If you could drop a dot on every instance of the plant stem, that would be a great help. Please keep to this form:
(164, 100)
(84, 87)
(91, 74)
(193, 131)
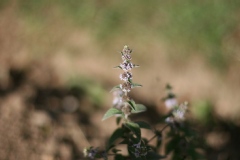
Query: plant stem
(164, 128)
(156, 134)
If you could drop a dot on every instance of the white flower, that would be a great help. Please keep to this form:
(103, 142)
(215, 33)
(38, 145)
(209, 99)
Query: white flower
(169, 120)
(170, 103)
(117, 99)
(179, 112)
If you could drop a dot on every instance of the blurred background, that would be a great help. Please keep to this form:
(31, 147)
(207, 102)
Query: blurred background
(56, 71)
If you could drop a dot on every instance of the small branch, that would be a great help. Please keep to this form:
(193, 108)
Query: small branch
(156, 135)
(152, 138)
(164, 128)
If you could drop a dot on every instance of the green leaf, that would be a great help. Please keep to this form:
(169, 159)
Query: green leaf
(118, 67)
(132, 104)
(116, 134)
(125, 141)
(130, 81)
(144, 125)
(154, 156)
(136, 65)
(139, 108)
(134, 127)
(118, 120)
(119, 157)
(131, 151)
(111, 112)
(114, 150)
(115, 88)
(172, 144)
(134, 85)
(133, 140)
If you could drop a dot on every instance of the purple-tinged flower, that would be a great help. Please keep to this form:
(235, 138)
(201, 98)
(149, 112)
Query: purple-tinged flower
(126, 57)
(90, 152)
(126, 66)
(170, 103)
(126, 76)
(137, 145)
(140, 150)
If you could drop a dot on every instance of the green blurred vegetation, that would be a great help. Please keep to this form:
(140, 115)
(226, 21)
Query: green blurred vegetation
(93, 90)
(200, 26)
(202, 111)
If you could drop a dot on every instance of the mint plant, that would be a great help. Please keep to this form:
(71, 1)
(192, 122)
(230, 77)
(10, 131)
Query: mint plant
(181, 142)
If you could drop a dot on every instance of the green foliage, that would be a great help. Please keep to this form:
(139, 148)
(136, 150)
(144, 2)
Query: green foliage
(154, 156)
(135, 128)
(144, 125)
(202, 111)
(136, 85)
(115, 88)
(132, 104)
(139, 108)
(119, 157)
(181, 138)
(182, 143)
(200, 27)
(118, 67)
(92, 89)
(111, 112)
(116, 134)
(3, 3)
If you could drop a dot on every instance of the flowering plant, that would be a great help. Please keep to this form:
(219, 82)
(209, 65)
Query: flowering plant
(180, 144)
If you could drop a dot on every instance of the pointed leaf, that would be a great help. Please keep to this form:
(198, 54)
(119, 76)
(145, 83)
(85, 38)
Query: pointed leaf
(154, 156)
(130, 81)
(116, 134)
(111, 112)
(144, 125)
(134, 85)
(133, 139)
(132, 104)
(118, 67)
(124, 142)
(172, 144)
(115, 88)
(114, 150)
(134, 127)
(119, 157)
(118, 120)
(139, 108)
(136, 65)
